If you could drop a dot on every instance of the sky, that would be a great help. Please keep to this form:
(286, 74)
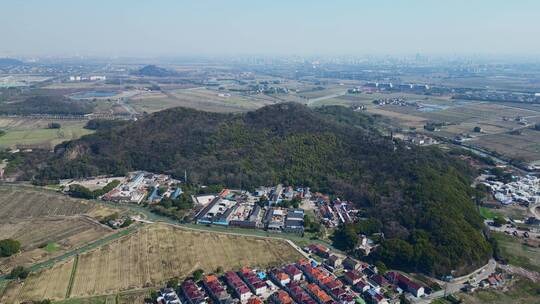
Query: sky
(274, 27)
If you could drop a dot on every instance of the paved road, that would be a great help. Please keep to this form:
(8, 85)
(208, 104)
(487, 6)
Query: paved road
(313, 100)
(455, 286)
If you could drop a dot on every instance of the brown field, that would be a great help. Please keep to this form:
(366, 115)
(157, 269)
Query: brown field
(37, 217)
(159, 252)
(152, 255)
(23, 203)
(462, 117)
(47, 284)
(64, 233)
(198, 98)
(524, 147)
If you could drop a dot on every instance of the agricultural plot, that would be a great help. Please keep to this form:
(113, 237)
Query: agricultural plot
(47, 284)
(26, 132)
(24, 203)
(198, 98)
(47, 224)
(147, 258)
(152, 255)
(44, 238)
(525, 147)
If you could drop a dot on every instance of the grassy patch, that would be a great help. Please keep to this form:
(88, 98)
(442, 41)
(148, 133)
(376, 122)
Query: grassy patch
(520, 292)
(51, 247)
(35, 132)
(517, 253)
(487, 213)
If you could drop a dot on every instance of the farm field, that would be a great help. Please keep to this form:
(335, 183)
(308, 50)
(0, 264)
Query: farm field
(44, 238)
(25, 203)
(496, 121)
(197, 98)
(152, 255)
(49, 284)
(524, 147)
(22, 132)
(47, 224)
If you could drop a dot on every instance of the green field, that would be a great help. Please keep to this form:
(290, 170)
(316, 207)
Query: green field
(521, 291)
(34, 132)
(518, 254)
(487, 213)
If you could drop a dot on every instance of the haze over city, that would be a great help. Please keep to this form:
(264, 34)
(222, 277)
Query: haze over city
(178, 28)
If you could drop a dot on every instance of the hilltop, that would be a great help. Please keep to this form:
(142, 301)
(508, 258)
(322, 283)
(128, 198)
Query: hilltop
(154, 71)
(419, 198)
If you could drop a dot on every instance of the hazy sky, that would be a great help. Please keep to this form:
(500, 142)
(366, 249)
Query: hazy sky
(229, 27)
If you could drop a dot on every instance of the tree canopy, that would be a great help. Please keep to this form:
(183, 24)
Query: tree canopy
(419, 196)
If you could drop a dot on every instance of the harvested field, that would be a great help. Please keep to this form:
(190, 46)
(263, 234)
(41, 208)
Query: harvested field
(148, 258)
(47, 284)
(21, 203)
(37, 218)
(63, 233)
(152, 255)
(198, 98)
(525, 146)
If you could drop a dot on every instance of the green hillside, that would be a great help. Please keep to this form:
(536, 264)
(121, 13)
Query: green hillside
(419, 197)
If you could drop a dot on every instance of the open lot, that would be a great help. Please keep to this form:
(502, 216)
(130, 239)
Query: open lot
(149, 257)
(29, 132)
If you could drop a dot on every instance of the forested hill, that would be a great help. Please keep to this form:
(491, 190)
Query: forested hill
(420, 197)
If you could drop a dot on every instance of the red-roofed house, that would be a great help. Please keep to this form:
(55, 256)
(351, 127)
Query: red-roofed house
(405, 283)
(352, 277)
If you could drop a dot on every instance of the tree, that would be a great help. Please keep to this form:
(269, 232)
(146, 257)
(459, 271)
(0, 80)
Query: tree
(346, 238)
(54, 125)
(9, 247)
(477, 129)
(197, 274)
(499, 221)
(219, 270)
(173, 283)
(154, 296)
(381, 267)
(18, 272)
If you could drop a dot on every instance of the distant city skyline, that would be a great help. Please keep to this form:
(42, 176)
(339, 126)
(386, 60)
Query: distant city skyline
(227, 28)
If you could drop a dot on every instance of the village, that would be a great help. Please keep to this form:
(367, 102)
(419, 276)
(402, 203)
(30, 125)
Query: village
(323, 277)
